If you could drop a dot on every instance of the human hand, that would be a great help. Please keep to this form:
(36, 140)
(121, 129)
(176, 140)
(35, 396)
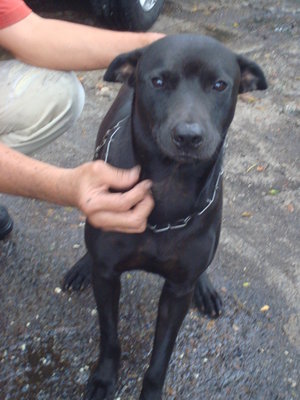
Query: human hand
(124, 211)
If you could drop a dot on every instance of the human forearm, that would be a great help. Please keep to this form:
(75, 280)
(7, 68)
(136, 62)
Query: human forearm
(86, 187)
(67, 46)
(24, 176)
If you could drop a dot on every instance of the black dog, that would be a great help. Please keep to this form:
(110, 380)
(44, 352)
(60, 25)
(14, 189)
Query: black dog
(171, 118)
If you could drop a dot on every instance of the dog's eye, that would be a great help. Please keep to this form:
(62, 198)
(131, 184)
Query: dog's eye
(219, 86)
(158, 82)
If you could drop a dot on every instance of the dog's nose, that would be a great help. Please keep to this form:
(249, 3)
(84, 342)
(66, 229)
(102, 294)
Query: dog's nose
(186, 134)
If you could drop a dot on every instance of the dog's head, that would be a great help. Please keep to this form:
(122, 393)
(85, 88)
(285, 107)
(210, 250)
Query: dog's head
(186, 89)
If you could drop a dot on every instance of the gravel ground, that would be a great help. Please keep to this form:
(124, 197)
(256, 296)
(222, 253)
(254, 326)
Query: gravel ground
(49, 339)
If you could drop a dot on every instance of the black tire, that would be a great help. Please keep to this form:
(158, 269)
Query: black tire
(127, 14)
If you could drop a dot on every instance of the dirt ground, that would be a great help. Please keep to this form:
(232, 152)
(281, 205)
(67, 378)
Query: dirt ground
(49, 339)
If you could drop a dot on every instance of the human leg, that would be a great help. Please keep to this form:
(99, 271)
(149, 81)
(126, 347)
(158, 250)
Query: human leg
(36, 106)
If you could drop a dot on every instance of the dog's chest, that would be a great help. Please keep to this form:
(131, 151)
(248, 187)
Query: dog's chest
(172, 254)
(154, 253)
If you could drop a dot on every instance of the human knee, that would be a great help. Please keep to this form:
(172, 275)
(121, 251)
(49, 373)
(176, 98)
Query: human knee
(38, 105)
(69, 100)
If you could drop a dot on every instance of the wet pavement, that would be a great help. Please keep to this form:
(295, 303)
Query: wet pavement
(49, 339)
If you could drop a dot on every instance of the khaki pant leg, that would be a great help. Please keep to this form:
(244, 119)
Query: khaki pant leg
(36, 105)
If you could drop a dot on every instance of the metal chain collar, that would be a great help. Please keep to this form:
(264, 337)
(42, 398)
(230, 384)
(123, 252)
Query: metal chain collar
(110, 133)
(180, 223)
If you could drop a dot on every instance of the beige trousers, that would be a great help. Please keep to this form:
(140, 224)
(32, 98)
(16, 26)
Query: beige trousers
(36, 105)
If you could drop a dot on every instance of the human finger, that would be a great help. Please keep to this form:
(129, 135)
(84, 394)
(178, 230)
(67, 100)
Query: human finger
(118, 202)
(132, 221)
(117, 178)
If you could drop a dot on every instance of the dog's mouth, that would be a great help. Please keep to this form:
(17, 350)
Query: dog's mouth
(185, 143)
(185, 155)
(185, 158)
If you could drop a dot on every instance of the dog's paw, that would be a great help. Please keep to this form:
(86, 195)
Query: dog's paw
(79, 276)
(102, 382)
(98, 389)
(207, 298)
(154, 394)
(151, 396)
(152, 387)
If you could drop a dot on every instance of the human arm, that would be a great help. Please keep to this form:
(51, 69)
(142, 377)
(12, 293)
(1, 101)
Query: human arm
(85, 187)
(63, 45)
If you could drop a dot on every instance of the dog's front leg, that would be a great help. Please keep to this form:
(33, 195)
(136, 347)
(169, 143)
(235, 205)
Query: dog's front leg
(103, 379)
(173, 306)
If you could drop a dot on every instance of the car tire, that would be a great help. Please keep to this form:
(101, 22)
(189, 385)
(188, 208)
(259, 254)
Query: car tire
(133, 15)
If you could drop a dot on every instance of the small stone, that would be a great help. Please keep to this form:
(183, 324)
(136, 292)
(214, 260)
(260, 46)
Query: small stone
(23, 347)
(273, 192)
(94, 312)
(76, 246)
(57, 290)
(292, 382)
(105, 91)
(265, 308)
(246, 214)
(293, 109)
(25, 388)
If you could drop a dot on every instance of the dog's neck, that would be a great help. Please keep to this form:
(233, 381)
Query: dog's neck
(177, 187)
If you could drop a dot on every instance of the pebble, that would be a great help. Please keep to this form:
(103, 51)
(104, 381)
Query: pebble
(25, 388)
(265, 308)
(57, 290)
(292, 382)
(293, 109)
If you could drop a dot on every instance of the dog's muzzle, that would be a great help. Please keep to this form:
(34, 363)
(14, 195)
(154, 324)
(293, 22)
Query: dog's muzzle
(187, 135)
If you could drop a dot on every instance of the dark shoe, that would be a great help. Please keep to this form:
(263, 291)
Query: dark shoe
(6, 223)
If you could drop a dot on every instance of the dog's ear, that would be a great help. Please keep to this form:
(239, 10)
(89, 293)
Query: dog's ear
(252, 76)
(122, 68)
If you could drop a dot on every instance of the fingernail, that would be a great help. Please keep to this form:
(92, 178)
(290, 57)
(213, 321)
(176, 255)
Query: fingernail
(136, 170)
(148, 184)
